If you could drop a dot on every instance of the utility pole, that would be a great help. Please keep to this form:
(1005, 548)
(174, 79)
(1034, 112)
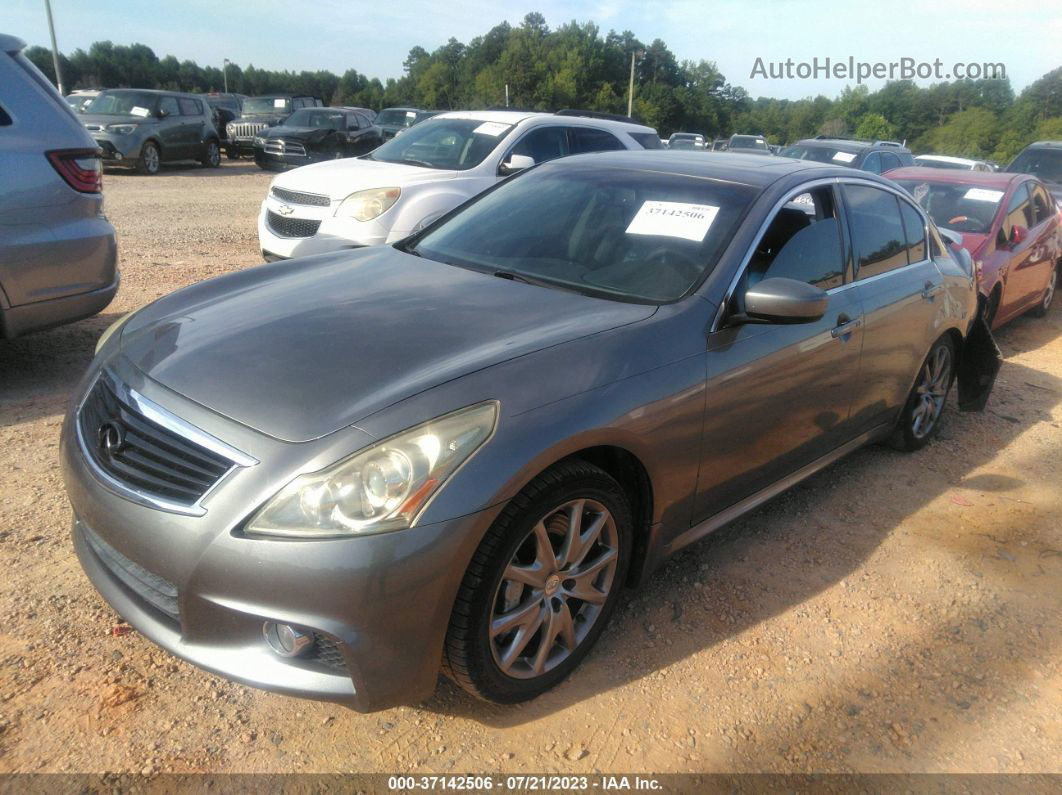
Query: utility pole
(506, 95)
(630, 88)
(55, 48)
(225, 73)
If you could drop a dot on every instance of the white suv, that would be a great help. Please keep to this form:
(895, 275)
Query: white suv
(422, 174)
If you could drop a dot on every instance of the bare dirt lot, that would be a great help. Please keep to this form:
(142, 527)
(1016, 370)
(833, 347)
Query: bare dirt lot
(895, 613)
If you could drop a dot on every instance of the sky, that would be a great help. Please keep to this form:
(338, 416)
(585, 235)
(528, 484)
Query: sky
(375, 38)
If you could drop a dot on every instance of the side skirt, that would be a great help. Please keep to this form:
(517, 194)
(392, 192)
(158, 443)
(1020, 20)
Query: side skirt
(738, 509)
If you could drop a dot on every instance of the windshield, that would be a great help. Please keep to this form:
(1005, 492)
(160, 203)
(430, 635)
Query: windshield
(393, 117)
(123, 103)
(444, 143)
(1044, 163)
(258, 105)
(747, 142)
(960, 208)
(682, 143)
(320, 118)
(942, 164)
(819, 154)
(617, 233)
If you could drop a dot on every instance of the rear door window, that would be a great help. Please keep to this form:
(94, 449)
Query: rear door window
(543, 143)
(889, 161)
(1019, 212)
(587, 139)
(877, 231)
(1041, 205)
(170, 106)
(872, 163)
(190, 107)
(914, 232)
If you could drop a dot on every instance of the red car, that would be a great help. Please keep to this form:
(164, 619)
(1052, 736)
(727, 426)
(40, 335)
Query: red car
(1010, 225)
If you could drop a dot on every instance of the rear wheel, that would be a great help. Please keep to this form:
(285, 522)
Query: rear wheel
(149, 160)
(541, 586)
(1048, 296)
(920, 419)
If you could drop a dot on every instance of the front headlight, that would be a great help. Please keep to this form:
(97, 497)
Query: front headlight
(121, 129)
(382, 488)
(111, 329)
(368, 204)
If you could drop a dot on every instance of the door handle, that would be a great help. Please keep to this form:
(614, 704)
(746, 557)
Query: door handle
(846, 327)
(929, 289)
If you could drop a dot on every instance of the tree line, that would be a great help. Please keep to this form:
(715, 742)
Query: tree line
(575, 66)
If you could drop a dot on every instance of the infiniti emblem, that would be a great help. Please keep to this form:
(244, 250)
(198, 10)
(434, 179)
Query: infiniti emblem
(112, 438)
(285, 209)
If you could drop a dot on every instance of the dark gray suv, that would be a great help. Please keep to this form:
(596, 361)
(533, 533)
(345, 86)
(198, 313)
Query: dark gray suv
(143, 129)
(332, 475)
(58, 257)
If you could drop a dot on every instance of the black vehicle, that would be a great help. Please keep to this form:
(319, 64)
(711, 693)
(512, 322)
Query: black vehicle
(226, 108)
(877, 157)
(394, 120)
(1042, 159)
(259, 113)
(310, 135)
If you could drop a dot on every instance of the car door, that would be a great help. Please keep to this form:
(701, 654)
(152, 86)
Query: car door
(779, 395)
(1016, 244)
(194, 132)
(1043, 254)
(900, 289)
(171, 130)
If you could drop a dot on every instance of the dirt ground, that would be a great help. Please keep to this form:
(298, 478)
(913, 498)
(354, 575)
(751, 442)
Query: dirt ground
(894, 613)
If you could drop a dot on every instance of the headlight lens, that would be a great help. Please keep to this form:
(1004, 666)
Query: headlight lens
(368, 204)
(379, 489)
(121, 129)
(111, 329)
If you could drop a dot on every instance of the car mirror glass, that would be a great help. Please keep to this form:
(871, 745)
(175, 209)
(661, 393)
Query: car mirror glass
(516, 163)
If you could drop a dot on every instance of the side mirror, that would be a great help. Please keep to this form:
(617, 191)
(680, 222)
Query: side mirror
(781, 300)
(516, 163)
(1018, 233)
(162, 114)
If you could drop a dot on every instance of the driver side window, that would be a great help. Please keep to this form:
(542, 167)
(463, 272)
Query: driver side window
(545, 143)
(1019, 213)
(170, 106)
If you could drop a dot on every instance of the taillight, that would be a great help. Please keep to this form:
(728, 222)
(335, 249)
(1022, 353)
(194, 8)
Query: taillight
(81, 168)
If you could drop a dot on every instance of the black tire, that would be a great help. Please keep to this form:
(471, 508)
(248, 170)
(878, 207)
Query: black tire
(470, 656)
(1048, 296)
(150, 159)
(211, 154)
(910, 435)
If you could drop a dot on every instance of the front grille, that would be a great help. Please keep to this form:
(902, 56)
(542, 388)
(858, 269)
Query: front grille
(278, 146)
(291, 227)
(153, 589)
(145, 456)
(326, 652)
(246, 129)
(296, 197)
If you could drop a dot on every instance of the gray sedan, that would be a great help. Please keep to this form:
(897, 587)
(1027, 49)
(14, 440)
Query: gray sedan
(332, 476)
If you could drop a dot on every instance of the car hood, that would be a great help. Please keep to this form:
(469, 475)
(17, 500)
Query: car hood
(299, 133)
(303, 348)
(340, 178)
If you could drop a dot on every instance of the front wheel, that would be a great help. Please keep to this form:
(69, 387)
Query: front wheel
(1048, 296)
(541, 586)
(920, 419)
(211, 155)
(148, 162)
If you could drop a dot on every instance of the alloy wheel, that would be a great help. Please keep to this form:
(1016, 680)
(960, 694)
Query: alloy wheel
(931, 392)
(554, 588)
(213, 154)
(151, 159)
(1049, 292)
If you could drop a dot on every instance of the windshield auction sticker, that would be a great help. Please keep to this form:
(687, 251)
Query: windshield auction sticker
(983, 195)
(843, 157)
(673, 219)
(494, 128)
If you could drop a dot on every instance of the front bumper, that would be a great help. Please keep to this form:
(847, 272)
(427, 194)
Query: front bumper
(118, 148)
(384, 600)
(331, 233)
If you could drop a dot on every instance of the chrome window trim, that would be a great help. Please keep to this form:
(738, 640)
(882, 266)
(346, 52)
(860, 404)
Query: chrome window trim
(157, 414)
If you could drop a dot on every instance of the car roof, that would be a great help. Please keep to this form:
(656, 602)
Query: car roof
(948, 159)
(500, 116)
(754, 170)
(1045, 145)
(999, 180)
(11, 44)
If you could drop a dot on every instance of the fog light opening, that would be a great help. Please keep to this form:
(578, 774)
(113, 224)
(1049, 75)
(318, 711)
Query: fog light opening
(285, 640)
